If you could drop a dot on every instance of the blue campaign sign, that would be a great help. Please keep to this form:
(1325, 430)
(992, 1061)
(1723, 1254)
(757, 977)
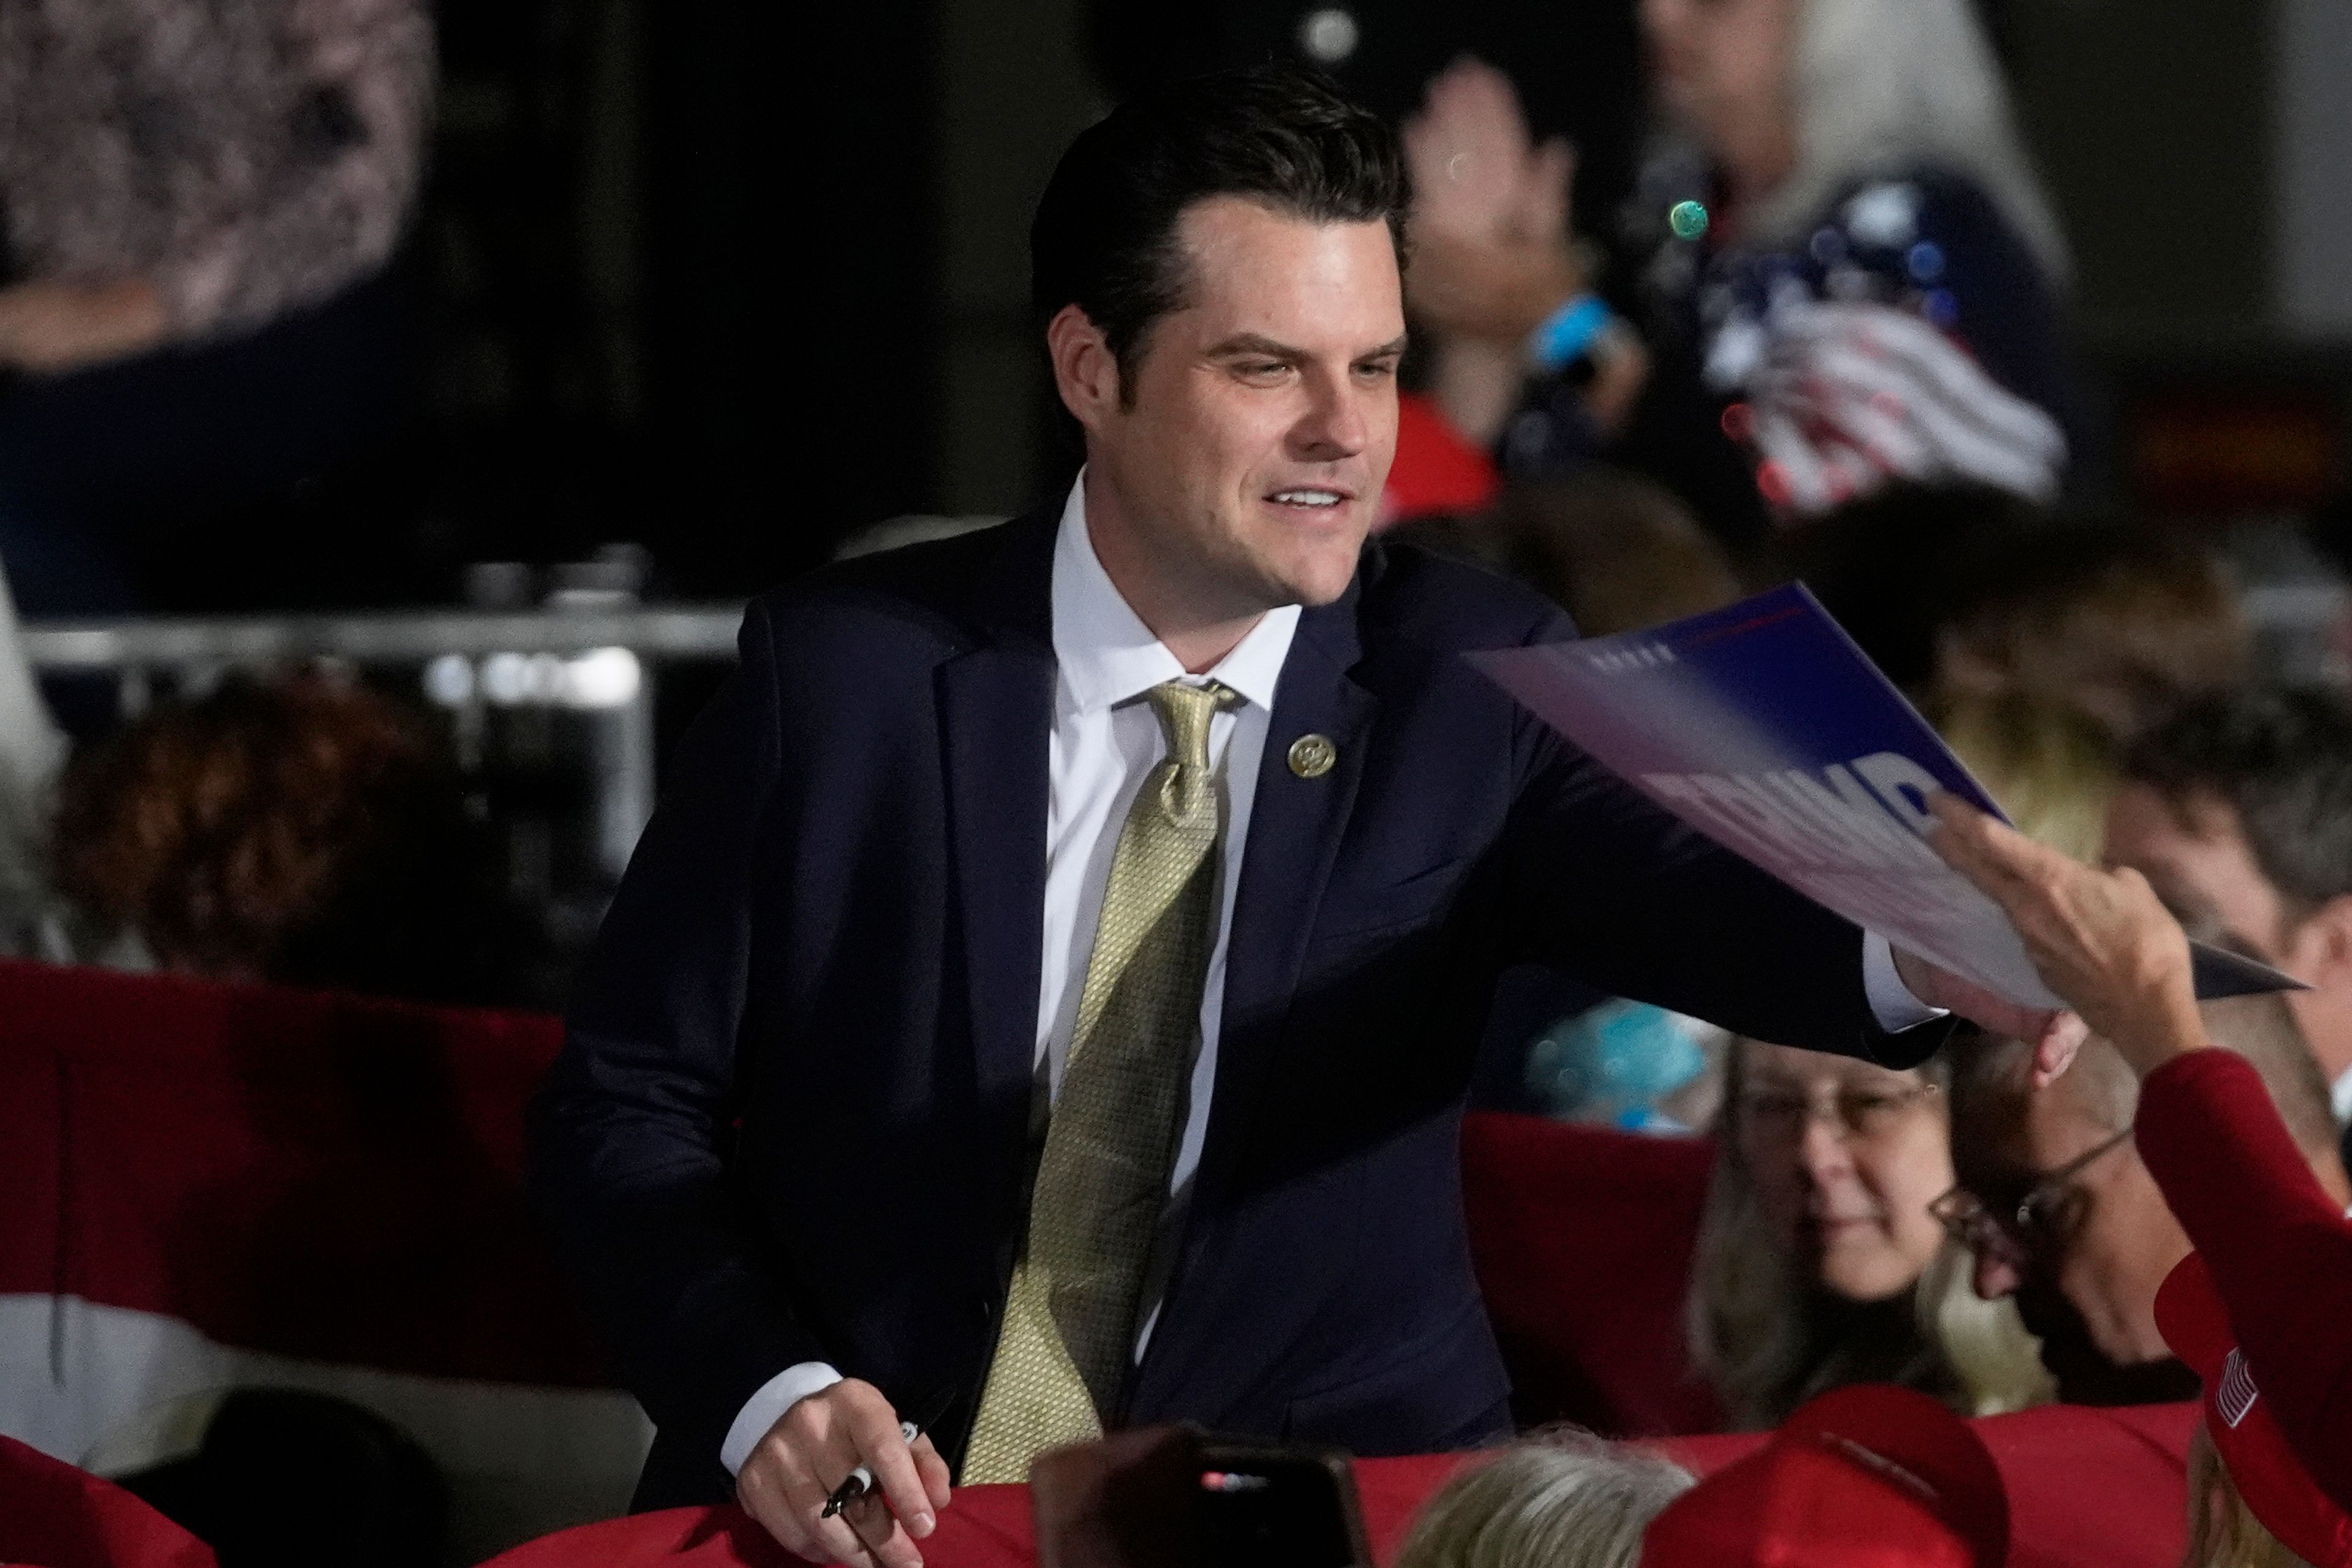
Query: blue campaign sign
(1764, 727)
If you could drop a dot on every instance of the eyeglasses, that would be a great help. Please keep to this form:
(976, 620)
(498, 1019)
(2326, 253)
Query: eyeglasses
(2050, 1207)
(1777, 1116)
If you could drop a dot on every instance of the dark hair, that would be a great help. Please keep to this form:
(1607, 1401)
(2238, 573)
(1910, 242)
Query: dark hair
(2282, 761)
(288, 828)
(1105, 236)
(1975, 591)
(1884, 565)
(2123, 622)
(1616, 551)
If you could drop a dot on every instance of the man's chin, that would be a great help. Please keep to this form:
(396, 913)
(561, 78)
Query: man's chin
(1318, 583)
(2084, 1374)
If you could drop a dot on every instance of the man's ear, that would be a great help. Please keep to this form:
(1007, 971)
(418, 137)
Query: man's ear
(1085, 373)
(2319, 949)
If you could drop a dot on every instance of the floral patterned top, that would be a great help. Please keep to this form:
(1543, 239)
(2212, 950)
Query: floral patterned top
(246, 157)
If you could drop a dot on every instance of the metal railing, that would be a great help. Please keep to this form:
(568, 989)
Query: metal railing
(381, 637)
(593, 657)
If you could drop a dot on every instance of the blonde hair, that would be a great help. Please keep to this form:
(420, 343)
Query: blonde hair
(2222, 1530)
(1996, 1360)
(1885, 87)
(1751, 1317)
(2050, 769)
(1563, 1498)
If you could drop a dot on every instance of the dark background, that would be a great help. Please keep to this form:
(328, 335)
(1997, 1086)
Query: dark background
(732, 280)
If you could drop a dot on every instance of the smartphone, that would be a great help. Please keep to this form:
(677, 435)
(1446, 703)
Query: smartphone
(1258, 1506)
(1176, 1496)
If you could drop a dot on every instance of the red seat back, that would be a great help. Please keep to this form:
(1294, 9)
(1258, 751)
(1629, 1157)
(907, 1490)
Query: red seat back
(1582, 1237)
(295, 1172)
(59, 1517)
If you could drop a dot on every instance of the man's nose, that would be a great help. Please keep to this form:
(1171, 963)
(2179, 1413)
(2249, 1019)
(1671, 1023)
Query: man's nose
(1337, 424)
(1997, 1276)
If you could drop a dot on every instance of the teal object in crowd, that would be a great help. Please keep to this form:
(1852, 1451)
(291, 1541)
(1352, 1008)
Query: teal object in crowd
(1614, 1062)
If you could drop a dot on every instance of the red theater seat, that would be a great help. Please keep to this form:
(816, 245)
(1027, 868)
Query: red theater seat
(2088, 1489)
(58, 1517)
(213, 1186)
(1582, 1237)
(310, 1174)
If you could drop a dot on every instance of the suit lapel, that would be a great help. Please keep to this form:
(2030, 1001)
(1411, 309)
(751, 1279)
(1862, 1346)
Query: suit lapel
(996, 703)
(1294, 831)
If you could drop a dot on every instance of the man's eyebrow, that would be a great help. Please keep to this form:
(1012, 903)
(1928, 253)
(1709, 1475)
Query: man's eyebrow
(1257, 343)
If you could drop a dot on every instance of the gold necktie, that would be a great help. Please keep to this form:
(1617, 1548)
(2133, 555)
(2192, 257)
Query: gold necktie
(1102, 1182)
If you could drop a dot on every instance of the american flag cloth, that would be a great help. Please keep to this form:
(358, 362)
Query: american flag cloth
(1843, 398)
(2233, 1400)
(1850, 367)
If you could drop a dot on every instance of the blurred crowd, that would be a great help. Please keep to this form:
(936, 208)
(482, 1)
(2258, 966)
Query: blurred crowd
(1826, 342)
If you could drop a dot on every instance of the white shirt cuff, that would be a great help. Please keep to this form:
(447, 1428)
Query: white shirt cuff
(767, 1407)
(1891, 1002)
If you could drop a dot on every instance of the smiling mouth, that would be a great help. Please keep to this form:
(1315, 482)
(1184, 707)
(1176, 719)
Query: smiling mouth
(1310, 497)
(1828, 1225)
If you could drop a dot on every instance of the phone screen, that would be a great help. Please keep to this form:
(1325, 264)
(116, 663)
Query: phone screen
(1257, 1507)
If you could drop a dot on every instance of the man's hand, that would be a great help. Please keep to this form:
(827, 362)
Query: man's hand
(813, 1447)
(2055, 1035)
(50, 328)
(2100, 939)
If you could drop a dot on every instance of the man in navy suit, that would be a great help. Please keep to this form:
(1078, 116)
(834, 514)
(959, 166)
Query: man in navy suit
(1076, 934)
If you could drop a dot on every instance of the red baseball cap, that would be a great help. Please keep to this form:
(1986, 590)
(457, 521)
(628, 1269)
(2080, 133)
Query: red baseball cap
(1870, 1476)
(2269, 1477)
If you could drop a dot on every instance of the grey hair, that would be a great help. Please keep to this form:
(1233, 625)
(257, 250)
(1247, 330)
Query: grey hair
(1883, 86)
(1563, 1498)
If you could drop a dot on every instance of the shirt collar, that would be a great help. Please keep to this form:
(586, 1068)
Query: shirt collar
(1109, 656)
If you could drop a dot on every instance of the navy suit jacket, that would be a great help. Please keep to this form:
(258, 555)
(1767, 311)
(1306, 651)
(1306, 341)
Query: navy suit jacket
(790, 1122)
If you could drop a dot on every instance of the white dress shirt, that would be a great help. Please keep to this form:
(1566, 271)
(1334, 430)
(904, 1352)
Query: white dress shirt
(1105, 741)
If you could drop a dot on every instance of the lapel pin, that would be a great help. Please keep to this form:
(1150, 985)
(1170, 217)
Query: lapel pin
(1311, 756)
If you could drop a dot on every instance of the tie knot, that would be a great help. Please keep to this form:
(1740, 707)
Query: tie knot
(1184, 714)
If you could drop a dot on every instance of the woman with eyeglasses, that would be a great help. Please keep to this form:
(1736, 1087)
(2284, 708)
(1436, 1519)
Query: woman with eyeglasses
(1818, 1263)
(1822, 1258)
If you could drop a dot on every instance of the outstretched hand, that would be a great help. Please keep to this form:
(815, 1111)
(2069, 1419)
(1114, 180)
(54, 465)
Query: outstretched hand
(2057, 1034)
(1478, 172)
(2100, 940)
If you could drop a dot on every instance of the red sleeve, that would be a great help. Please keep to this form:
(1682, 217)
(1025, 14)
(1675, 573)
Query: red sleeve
(2278, 1249)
